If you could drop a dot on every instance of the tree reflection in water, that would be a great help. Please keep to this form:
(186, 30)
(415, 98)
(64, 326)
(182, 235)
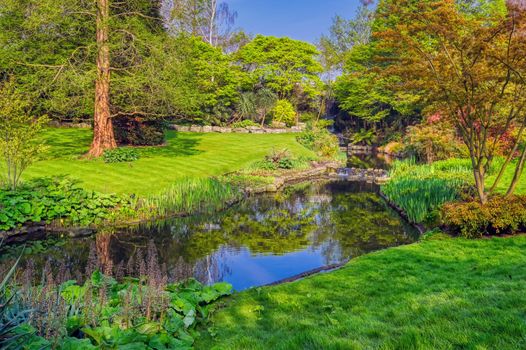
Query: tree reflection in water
(263, 239)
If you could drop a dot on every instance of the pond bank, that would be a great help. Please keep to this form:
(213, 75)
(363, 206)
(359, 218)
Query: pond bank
(39, 231)
(435, 294)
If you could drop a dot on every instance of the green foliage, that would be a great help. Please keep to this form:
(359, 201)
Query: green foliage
(133, 314)
(19, 147)
(244, 124)
(120, 155)
(281, 64)
(317, 138)
(501, 215)
(190, 195)
(49, 199)
(363, 137)
(421, 190)
(280, 159)
(284, 112)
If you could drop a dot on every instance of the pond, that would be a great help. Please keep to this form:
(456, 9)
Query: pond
(262, 240)
(369, 161)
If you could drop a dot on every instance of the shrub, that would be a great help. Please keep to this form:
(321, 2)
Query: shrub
(19, 144)
(244, 124)
(284, 112)
(139, 132)
(499, 216)
(120, 155)
(47, 199)
(317, 138)
(433, 140)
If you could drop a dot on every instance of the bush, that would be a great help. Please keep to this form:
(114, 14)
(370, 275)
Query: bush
(244, 124)
(284, 112)
(433, 140)
(138, 131)
(499, 216)
(120, 155)
(317, 138)
(59, 198)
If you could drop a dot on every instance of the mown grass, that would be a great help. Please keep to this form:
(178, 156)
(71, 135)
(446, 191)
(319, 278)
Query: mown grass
(184, 155)
(437, 294)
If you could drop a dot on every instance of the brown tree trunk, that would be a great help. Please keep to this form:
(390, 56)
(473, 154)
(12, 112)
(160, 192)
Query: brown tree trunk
(103, 136)
(479, 183)
(518, 174)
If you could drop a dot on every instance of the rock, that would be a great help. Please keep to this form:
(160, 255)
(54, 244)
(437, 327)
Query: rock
(240, 131)
(216, 128)
(257, 131)
(207, 129)
(196, 128)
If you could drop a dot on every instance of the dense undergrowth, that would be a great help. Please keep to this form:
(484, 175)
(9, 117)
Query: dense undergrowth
(107, 311)
(420, 190)
(442, 194)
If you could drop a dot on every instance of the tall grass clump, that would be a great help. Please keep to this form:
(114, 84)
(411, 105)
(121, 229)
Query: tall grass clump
(190, 195)
(420, 190)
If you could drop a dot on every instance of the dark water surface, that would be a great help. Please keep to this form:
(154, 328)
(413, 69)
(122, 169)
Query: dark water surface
(262, 240)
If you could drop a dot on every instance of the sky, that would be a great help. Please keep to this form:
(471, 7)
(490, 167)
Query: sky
(299, 19)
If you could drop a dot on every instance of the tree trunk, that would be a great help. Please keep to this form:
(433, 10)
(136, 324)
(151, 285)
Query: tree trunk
(103, 136)
(479, 183)
(518, 174)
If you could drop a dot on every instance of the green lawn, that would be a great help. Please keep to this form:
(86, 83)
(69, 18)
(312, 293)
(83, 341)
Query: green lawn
(185, 155)
(439, 294)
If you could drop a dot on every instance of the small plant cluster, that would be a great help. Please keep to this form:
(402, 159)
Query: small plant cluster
(281, 159)
(48, 199)
(120, 155)
(317, 137)
(107, 312)
(244, 124)
(191, 195)
(499, 216)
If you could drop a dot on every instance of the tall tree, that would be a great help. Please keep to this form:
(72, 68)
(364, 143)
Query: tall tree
(103, 136)
(471, 68)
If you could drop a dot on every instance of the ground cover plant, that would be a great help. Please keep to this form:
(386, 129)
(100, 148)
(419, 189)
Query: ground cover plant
(437, 294)
(107, 311)
(50, 199)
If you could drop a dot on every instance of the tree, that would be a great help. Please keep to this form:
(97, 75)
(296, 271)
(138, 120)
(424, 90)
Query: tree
(471, 68)
(209, 19)
(19, 146)
(57, 52)
(284, 65)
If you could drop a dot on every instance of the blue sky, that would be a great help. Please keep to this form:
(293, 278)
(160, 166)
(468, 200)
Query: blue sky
(298, 19)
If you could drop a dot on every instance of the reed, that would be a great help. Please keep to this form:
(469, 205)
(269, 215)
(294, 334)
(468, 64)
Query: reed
(421, 189)
(191, 195)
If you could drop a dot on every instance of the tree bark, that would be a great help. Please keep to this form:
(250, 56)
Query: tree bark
(518, 174)
(103, 136)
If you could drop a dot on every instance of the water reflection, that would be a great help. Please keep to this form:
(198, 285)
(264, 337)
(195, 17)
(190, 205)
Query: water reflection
(262, 240)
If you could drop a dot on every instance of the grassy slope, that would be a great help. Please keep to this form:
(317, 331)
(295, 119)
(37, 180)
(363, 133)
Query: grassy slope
(446, 294)
(185, 155)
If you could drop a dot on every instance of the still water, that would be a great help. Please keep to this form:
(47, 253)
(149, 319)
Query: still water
(262, 240)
